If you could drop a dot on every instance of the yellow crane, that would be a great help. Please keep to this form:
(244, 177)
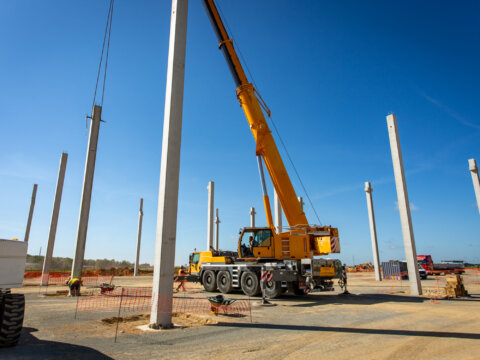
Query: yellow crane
(287, 255)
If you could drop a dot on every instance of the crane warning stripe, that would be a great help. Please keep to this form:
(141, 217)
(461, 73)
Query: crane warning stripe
(267, 275)
(334, 246)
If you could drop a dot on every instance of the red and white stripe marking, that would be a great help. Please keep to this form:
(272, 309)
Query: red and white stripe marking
(267, 275)
(334, 245)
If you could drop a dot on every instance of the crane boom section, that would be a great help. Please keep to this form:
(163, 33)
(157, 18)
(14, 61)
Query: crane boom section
(265, 144)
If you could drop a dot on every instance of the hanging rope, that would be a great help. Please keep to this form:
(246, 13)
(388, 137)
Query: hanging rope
(106, 39)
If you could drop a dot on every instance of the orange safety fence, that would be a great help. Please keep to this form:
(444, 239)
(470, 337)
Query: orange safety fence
(472, 276)
(140, 300)
(62, 279)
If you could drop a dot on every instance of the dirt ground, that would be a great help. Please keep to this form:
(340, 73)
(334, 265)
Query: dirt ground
(379, 320)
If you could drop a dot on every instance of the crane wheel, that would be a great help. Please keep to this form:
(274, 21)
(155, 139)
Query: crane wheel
(209, 281)
(273, 289)
(297, 291)
(250, 284)
(224, 282)
(12, 308)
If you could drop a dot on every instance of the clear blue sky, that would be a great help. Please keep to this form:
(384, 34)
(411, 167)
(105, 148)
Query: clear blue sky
(330, 72)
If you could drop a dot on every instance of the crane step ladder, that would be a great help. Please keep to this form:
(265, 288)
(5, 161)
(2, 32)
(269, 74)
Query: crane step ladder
(235, 279)
(286, 248)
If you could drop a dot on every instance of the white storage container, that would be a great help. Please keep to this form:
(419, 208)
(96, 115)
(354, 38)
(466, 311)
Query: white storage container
(13, 255)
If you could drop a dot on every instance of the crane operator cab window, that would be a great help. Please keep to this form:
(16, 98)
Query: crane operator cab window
(252, 240)
(194, 260)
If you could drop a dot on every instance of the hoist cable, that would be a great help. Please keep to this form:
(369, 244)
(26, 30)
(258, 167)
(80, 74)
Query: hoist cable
(108, 28)
(295, 169)
(108, 48)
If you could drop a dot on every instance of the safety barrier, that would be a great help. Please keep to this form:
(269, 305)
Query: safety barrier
(140, 300)
(472, 277)
(61, 280)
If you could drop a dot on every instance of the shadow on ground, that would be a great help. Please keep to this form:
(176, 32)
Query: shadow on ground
(440, 334)
(29, 347)
(361, 299)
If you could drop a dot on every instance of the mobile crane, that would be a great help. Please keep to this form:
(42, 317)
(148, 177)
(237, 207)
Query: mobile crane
(288, 256)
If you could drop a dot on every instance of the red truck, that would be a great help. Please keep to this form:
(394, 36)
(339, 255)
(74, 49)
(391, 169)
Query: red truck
(446, 267)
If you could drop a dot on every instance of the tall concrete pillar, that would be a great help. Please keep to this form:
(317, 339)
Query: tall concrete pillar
(476, 182)
(210, 188)
(300, 200)
(373, 231)
(161, 315)
(278, 212)
(404, 206)
(139, 238)
(30, 213)
(47, 261)
(96, 118)
(252, 217)
(217, 223)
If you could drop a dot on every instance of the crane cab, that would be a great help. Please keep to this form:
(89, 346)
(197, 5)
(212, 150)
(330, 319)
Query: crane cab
(256, 243)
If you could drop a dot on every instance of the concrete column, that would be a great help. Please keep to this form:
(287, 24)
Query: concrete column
(77, 265)
(30, 213)
(404, 206)
(300, 200)
(139, 238)
(278, 212)
(53, 224)
(217, 223)
(252, 217)
(210, 188)
(161, 315)
(373, 231)
(476, 182)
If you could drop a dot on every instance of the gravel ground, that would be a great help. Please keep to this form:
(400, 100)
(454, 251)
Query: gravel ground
(378, 321)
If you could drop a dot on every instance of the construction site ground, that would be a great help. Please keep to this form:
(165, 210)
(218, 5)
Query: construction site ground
(379, 320)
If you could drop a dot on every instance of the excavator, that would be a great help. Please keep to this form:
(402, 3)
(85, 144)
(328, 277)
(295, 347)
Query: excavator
(287, 257)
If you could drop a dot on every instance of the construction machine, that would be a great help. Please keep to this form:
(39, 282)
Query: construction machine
(289, 256)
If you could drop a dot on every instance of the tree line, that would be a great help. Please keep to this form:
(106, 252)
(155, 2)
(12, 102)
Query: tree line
(35, 262)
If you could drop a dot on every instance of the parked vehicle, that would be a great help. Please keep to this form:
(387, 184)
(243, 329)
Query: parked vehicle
(444, 268)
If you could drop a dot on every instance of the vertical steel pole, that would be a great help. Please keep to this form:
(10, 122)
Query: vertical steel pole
(161, 315)
(139, 238)
(30, 213)
(373, 231)
(77, 265)
(404, 207)
(472, 164)
(210, 188)
(53, 224)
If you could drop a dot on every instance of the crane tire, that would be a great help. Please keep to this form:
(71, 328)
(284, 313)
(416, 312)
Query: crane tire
(209, 281)
(273, 289)
(224, 282)
(12, 309)
(250, 283)
(297, 291)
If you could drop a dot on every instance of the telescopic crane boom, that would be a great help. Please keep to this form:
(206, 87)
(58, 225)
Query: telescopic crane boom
(265, 145)
(321, 240)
